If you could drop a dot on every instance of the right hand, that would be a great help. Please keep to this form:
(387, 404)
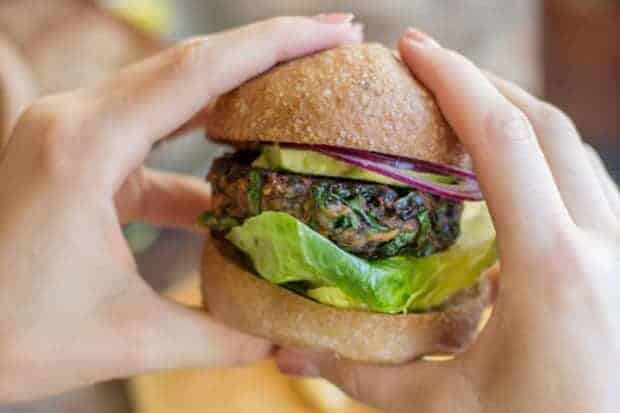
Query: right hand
(553, 343)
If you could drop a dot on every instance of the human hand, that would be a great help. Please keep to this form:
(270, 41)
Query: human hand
(73, 308)
(17, 88)
(554, 339)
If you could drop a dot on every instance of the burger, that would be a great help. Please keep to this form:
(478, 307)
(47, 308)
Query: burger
(346, 219)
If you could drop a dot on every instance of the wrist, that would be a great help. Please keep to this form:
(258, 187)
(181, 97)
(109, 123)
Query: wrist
(12, 371)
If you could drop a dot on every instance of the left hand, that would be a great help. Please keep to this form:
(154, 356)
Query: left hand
(553, 342)
(73, 308)
(17, 88)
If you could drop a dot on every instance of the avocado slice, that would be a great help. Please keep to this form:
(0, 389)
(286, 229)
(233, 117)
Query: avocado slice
(307, 162)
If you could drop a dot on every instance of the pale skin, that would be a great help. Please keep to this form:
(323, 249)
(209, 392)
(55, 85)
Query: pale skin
(73, 308)
(17, 88)
(553, 343)
(74, 311)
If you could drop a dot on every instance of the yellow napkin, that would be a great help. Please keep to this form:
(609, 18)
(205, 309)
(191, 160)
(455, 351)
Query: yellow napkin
(153, 16)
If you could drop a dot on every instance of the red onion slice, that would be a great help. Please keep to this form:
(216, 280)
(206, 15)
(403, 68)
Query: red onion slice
(397, 162)
(466, 189)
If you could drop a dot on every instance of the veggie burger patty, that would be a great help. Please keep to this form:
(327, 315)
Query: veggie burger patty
(369, 220)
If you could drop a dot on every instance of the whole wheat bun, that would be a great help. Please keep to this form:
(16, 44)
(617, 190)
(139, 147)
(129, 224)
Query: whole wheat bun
(237, 297)
(358, 96)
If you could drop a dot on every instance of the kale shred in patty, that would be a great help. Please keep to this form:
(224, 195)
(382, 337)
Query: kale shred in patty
(369, 220)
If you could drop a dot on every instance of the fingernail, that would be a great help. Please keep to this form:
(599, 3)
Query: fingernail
(419, 38)
(358, 28)
(334, 18)
(356, 35)
(294, 363)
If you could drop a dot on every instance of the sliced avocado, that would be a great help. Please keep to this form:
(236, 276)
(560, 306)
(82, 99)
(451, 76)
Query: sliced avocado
(314, 163)
(335, 297)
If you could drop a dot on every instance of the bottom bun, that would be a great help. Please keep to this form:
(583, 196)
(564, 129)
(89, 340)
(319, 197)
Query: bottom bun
(244, 301)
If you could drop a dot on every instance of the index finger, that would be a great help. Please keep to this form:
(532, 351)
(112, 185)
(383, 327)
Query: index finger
(17, 89)
(512, 170)
(148, 101)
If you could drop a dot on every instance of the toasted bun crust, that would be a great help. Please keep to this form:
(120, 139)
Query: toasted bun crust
(359, 96)
(239, 298)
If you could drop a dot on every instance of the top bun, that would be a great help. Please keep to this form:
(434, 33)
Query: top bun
(358, 96)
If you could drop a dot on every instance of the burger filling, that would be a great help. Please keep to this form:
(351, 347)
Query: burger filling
(344, 236)
(366, 219)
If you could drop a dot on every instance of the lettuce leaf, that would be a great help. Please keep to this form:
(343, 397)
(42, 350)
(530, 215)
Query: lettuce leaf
(285, 250)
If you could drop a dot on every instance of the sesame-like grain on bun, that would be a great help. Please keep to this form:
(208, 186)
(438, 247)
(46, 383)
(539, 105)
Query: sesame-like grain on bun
(358, 96)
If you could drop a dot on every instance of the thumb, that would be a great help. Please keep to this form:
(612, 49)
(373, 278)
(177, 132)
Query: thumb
(181, 337)
(393, 388)
(17, 88)
(164, 199)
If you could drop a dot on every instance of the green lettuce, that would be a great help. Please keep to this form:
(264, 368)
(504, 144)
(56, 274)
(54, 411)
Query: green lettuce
(285, 250)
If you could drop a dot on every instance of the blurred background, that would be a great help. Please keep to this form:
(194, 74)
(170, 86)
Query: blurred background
(564, 50)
